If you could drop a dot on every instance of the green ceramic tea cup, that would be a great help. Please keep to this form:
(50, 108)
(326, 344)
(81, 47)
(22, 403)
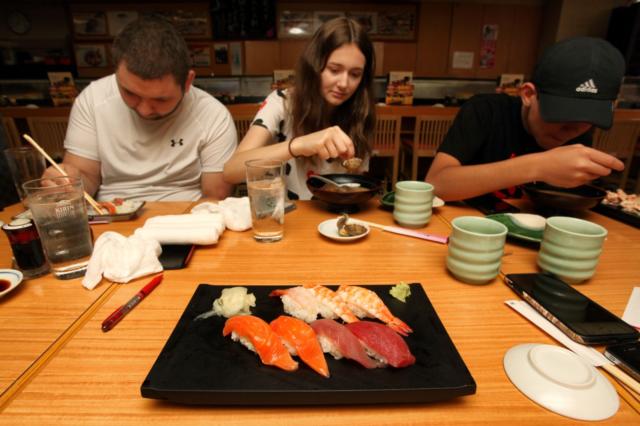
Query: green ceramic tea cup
(413, 202)
(476, 245)
(571, 248)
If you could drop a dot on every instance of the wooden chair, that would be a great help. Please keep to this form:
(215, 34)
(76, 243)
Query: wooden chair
(428, 134)
(49, 132)
(11, 131)
(242, 125)
(620, 140)
(386, 141)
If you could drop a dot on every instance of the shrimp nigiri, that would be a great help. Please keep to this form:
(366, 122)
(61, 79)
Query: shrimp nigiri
(301, 340)
(258, 337)
(334, 302)
(367, 303)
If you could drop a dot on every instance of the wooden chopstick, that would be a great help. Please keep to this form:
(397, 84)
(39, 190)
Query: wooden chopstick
(87, 197)
(625, 393)
(622, 377)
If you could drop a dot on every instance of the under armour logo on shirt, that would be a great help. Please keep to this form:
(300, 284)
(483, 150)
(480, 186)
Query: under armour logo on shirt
(174, 143)
(587, 86)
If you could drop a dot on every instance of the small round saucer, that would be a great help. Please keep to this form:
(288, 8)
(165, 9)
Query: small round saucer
(561, 381)
(13, 276)
(329, 228)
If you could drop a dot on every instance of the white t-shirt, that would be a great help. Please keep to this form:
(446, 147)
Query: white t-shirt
(275, 117)
(150, 159)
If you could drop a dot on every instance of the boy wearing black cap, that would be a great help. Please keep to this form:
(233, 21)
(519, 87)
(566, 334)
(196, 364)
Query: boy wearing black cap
(497, 141)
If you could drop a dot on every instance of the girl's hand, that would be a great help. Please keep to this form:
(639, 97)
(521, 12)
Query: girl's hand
(331, 142)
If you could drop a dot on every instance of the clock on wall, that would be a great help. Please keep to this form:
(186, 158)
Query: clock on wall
(18, 22)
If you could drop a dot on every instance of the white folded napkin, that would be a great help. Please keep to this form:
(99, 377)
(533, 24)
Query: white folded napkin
(121, 259)
(235, 211)
(200, 229)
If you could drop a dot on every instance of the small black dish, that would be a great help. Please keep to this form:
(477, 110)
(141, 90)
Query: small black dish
(344, 202)
(554, 200)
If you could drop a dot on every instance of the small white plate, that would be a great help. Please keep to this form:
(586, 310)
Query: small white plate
(329, 228)
(437, 202)
(561, 381)
(13, 276)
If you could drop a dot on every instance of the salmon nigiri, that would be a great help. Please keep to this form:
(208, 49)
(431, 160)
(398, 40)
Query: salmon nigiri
(258, 337)
(301, 340)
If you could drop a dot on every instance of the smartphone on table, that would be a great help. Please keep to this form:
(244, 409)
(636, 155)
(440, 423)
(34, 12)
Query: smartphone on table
(579, 317)
(490, 204)
(626, 356)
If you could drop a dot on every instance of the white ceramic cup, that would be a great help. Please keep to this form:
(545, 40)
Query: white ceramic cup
(413, 203)
(476, 246)
(571, 248)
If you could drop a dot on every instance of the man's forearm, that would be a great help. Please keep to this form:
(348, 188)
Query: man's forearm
(460, 182)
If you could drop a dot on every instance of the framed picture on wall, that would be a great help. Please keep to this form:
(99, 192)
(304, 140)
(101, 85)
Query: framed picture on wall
(200, 55)
(368, 20)
(396, 25)
(118, 19)
(91, 56)
(90, 24)
(221, 53)
(295, 24)
(190, 23)
(320, 18)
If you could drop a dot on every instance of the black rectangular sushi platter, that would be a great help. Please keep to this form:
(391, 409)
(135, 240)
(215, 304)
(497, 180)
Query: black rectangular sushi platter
(617, 213)
(199, 366)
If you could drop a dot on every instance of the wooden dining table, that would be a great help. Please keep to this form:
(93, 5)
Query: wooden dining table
(58, 367)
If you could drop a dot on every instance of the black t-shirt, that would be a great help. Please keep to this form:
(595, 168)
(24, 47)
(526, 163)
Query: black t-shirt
(488, 128)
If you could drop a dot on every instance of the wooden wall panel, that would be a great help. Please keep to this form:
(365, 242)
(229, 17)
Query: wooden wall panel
(525, 42)
(399, 57)
(434, 30)
(503, 16)
(290, 51)
(466, 32)
(261, 57)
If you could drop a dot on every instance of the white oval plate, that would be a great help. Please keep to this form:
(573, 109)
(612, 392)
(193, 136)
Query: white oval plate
(13, 276)
(329, 228)
(561, 381)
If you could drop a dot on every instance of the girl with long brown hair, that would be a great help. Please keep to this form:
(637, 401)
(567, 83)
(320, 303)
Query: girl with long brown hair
(327, 117)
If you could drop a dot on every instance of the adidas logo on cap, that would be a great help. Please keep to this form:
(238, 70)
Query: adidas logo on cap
(588, 86)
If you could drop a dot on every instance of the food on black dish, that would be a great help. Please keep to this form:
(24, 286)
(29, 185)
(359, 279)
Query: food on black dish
(553, 200)
(344, 200)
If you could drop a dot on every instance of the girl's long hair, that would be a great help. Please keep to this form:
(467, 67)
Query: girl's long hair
(356, 116)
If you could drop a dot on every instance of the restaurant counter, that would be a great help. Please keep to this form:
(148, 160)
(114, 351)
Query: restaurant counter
(58, 367)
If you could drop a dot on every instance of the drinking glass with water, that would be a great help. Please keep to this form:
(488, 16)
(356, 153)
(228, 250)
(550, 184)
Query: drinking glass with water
(266, 187)
(59, 212)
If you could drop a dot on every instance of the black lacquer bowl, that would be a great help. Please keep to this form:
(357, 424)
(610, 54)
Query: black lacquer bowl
(555, 200)
(347, 201)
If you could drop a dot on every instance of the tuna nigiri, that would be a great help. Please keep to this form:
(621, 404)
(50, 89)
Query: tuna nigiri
(258, 337)
(383, 343)
(301, 340)
(366, 303)
(337, 340)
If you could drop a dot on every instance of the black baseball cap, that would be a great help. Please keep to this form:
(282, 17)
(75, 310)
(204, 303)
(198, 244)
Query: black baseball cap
(578, 79)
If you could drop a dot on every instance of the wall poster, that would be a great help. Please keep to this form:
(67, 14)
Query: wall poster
(488, 46)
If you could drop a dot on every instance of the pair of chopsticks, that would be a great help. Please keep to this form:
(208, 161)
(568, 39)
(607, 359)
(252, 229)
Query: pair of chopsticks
(403, 231)
(87, 197)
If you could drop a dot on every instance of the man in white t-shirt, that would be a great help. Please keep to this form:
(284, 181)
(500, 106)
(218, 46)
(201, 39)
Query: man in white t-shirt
(145, 133)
